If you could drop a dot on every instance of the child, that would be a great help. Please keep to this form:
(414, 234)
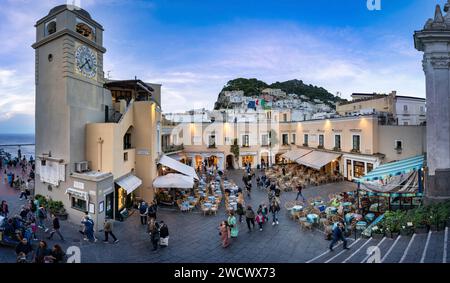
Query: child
(34, 228)
(260, 220)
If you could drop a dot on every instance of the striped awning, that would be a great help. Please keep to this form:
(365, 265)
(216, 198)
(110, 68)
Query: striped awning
(318, 159)
(295, 154)
(394, 169)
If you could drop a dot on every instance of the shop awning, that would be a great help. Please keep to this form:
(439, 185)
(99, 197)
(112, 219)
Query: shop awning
(178, 166)
(317, 159)
(172, 180)
(129, 183)
(295, 154)
(394, 169)
(77, 193)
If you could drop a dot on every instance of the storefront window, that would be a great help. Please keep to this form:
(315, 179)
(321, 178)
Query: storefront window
(247, 159)
(294, 136)
(79, 204)
(358, 169)
(122, 199)
(305, 140)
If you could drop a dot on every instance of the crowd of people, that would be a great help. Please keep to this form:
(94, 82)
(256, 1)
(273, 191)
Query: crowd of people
(229, 229)
(18, 173)
(158, 231)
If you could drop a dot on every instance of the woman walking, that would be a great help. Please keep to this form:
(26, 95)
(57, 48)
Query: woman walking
(224, 234)
(57, 255)
(233, 225)
(42, 252)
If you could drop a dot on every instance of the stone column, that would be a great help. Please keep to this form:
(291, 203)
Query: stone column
(434, 41)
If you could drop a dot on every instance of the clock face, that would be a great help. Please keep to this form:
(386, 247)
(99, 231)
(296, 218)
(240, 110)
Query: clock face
(86, 61)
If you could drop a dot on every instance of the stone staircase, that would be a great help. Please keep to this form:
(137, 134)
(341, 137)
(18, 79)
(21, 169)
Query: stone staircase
(418, 248)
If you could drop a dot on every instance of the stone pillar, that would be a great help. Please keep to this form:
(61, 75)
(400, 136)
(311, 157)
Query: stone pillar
(434, 41)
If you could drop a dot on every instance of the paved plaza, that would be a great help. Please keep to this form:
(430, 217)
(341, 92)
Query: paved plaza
(195, 237)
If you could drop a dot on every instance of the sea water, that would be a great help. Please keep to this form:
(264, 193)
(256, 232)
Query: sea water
(15, 139)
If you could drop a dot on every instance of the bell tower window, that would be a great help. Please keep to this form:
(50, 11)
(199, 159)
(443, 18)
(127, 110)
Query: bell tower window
(50, 27)
(85, 30)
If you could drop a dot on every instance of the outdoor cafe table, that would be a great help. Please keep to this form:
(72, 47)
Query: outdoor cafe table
(233, 205)
(208, 204)
(312, 218)
(211, 198)
(331, 210)
(297, 208)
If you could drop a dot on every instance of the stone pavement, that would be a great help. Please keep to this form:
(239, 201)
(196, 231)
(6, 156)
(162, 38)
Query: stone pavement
(419, 248)
(195, 237)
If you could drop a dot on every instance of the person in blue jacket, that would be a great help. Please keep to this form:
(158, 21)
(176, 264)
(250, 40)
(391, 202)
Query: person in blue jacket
(338, 235)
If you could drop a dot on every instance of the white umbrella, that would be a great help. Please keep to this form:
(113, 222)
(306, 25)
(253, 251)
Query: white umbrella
(173, 180)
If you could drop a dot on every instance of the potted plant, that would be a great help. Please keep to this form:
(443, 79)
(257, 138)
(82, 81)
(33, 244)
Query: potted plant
(57, 208)
(393, 222)
(378, 231)
(407, 227)
(422, 220)
(336, 148)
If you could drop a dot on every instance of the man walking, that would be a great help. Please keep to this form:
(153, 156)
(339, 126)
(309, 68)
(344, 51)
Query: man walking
(89, 229)
(143, 211)
(250, 217)
(299, 192)
(338, 235)
(274, 209)
(56, 228)
(107, 228)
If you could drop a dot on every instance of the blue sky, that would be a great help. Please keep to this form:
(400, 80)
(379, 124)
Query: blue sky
(194, 47)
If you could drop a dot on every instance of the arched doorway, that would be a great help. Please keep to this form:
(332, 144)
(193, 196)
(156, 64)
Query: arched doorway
(230, 161)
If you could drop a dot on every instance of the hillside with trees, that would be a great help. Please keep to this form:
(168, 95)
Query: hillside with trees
(253, 87)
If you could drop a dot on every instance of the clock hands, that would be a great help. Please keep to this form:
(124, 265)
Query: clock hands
(86, 62)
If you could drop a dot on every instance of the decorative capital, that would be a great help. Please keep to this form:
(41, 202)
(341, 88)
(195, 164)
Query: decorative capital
(442, 62)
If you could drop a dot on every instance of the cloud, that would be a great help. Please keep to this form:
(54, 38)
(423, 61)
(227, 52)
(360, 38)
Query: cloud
(193, 63)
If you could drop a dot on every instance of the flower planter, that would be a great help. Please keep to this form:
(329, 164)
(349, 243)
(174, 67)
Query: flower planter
(62, 216)
(406, 232)
(377, 236)
(392, 235)
(421, 230)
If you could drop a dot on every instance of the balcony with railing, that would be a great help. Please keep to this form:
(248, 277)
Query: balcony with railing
(172, 148)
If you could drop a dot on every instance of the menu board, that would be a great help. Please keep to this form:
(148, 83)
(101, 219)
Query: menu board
(52, 172)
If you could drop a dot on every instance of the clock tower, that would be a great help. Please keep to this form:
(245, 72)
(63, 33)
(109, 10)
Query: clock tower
(69, 94)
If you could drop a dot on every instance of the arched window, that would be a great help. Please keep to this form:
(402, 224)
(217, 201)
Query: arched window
(128, 141)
